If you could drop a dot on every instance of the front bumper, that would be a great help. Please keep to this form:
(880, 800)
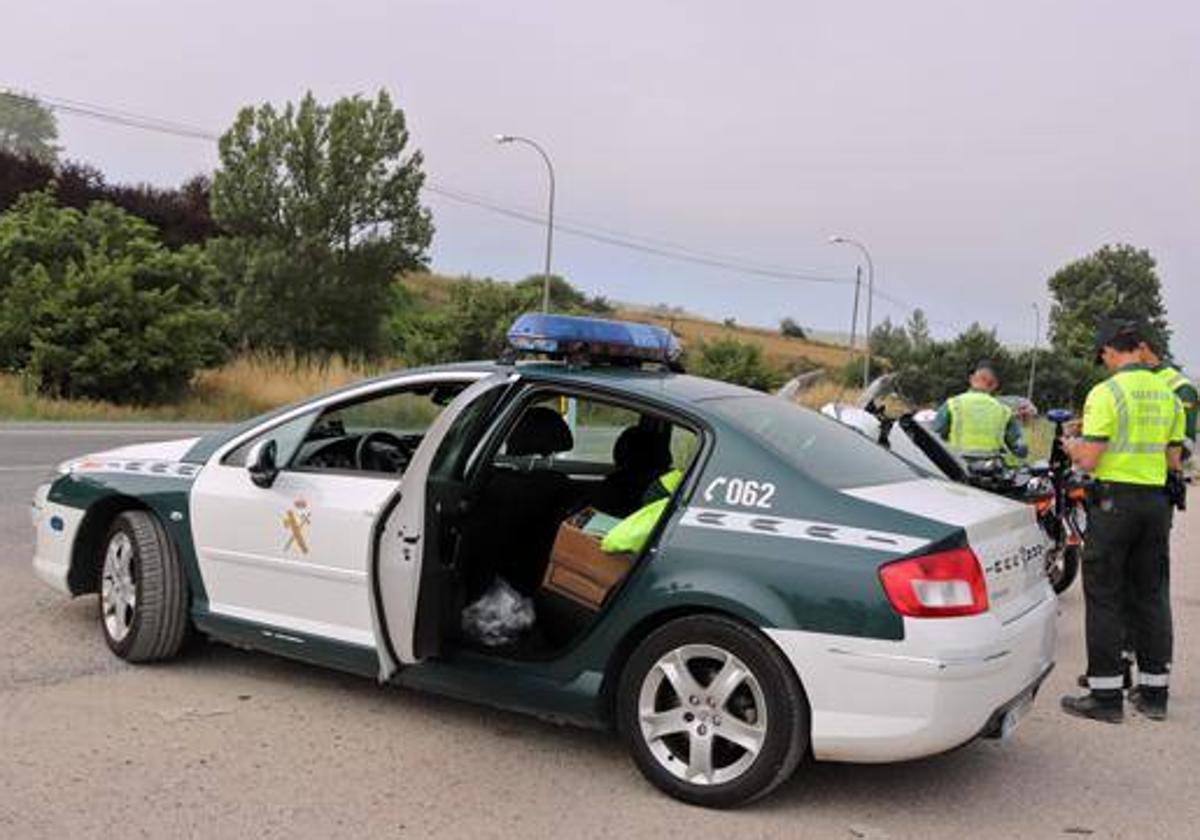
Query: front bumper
(947, 682)
(55, 527)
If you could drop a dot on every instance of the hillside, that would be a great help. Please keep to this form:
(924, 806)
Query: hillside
(251, 383)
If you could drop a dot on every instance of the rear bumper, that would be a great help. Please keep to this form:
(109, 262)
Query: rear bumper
(949, 681)
(55, 527)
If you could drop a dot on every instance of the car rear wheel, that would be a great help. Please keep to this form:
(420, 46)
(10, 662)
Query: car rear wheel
(711, 712)
(143, 593)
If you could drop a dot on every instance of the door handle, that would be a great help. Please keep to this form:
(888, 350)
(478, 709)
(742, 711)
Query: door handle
(411, 539)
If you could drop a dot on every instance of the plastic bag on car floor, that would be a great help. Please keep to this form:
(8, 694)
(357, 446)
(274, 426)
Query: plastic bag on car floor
(500, 616)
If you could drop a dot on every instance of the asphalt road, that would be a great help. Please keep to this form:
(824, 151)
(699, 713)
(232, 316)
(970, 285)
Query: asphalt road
(225, 743)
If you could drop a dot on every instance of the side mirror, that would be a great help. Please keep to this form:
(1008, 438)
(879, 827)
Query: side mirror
(261, 463)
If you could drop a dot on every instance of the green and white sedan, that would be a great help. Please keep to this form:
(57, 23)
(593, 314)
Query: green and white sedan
(804, 595)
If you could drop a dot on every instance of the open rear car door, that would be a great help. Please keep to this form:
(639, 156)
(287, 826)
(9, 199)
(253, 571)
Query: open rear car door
(403, 585)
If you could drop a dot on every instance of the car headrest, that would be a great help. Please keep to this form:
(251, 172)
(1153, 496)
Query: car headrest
(638, 448)
(540, 431)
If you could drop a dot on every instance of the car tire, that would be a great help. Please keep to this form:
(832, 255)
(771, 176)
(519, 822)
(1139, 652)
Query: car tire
(742, 727)
(143, 592)
(1062, 572)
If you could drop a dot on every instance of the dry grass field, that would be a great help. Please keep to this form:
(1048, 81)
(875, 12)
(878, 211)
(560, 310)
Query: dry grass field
(779, 350)
(243, 387)
(250, 384)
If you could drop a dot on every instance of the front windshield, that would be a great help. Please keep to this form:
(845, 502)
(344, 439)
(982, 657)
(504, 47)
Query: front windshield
(824, 449)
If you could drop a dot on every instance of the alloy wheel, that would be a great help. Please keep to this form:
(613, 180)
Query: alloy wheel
(703, 714)
(118, 588)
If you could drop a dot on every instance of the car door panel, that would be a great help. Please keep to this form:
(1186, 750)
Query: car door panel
(398, 570)
(294, 555)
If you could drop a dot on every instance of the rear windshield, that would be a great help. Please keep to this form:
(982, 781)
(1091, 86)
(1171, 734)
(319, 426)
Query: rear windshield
(824, 449)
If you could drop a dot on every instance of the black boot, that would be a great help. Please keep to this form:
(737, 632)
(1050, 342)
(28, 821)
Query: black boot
(1150, 702)
(1096, 707)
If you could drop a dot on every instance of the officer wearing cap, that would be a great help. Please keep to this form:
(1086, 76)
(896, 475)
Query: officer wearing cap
(1132, 436)
(975, 423)
(1180, 385)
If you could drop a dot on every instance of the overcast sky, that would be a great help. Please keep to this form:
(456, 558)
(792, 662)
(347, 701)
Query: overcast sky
(974, 147)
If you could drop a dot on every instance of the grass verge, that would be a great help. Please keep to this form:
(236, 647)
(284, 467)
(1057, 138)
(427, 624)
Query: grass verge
(246, 386)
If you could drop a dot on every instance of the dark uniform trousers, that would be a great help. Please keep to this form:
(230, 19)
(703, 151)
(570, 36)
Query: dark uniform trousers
(1126, 580)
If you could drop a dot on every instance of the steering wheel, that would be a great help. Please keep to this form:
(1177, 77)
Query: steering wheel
(381, 451)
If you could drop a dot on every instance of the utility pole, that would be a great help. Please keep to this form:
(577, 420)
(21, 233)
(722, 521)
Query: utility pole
(1037, 337)
(843, 240)
(854, 312)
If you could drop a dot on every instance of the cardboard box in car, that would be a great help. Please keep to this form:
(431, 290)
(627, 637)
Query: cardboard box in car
(578, 570)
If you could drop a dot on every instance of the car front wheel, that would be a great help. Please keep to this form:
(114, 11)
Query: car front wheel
(143, 593)
(712, 712)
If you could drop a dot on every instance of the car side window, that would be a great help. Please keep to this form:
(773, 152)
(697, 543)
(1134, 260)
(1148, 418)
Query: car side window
(594, 426)
(375, 434)
(287, 436)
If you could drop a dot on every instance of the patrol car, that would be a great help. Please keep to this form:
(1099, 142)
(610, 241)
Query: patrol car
(804, 595)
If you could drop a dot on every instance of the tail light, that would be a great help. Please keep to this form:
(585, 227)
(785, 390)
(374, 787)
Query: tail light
(1077, 494)
(941, 585)
(1043, 505)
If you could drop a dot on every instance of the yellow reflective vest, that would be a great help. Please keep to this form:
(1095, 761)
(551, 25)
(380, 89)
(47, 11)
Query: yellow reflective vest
(1137, 416)
(629, 536)
(977, 423)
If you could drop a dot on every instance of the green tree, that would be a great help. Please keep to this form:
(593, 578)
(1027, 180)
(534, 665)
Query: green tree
(92, 305)
(917, 327)
(323, 202)
(890, 341)
(1115, 281)
(27, 127)
(731, 360)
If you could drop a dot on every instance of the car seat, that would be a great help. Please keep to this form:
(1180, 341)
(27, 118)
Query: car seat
(640, 455)
(525, 501)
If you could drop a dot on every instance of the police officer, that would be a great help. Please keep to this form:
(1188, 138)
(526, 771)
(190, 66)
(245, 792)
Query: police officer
(1132, 436)
(1180, 385)
(975, 423)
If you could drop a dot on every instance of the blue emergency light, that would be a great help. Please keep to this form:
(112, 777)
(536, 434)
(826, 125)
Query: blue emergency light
(593, 339)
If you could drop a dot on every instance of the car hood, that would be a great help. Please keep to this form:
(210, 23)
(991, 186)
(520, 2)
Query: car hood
(164, 451)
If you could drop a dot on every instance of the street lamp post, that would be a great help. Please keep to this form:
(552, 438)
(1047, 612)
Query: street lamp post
(512, 138)
(1037, 337)
(842, 240)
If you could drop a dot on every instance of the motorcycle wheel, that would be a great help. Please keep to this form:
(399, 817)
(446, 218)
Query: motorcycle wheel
(1062, 566)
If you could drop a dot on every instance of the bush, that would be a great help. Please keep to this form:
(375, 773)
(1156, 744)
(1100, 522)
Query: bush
(473, 323)
(566, 298)
(790, 329)
(734, 361)
(181, 215)
(92, 305)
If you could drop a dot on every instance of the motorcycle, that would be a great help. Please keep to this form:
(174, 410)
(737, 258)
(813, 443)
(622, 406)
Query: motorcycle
(1054, 488)
(1058, 494)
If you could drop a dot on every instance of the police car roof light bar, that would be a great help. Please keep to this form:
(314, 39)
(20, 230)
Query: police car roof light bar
(575, 338)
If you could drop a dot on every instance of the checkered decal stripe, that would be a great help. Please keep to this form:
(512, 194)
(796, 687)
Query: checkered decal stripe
(801, 529)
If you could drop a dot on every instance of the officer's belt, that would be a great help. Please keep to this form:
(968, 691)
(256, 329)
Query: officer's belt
(1123, 488)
